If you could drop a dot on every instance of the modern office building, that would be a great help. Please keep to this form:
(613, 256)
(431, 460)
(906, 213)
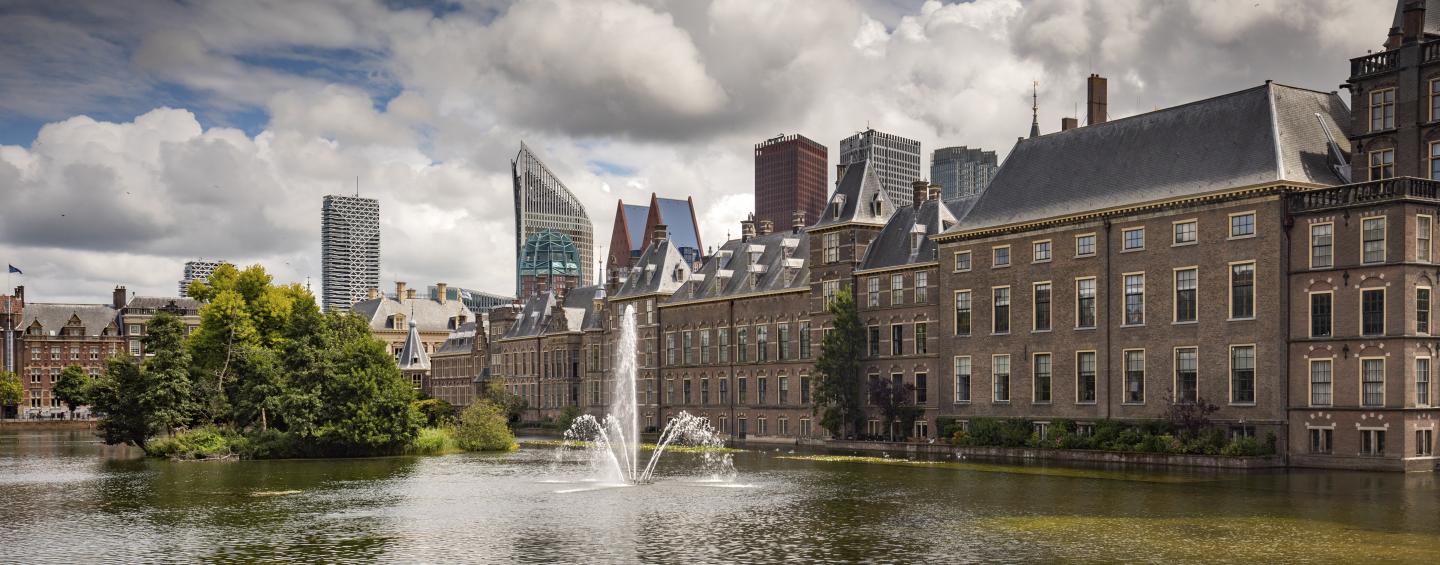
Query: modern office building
(197, 270)
(962, 172)
(790, 175)
(349, 250)
(543, 203)
(549, 260)
(894, 159)
(635, 228)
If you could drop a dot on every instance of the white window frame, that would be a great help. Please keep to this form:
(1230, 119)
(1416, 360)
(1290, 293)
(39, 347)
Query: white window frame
(1173, 232)
(1035, 248)
(1384, 239)
(969, 261)
(1382, 164)
(1310, 245)
(1125, 296)
(1384, 315)
(1230, 291)
(1009, 310)
(1310, 313)
(1310, 382)
(1034, 364)
(1384, 377)
(1035, 310)
(1230, 225)
(994, 255)
(1125, 376)
(955, 311)
(1429, 381)
(995, 377)
(955, 378)
(1095, 248)
(1424, 252)
(1124, 239)
(1096, 357)
(1095, 304)
(1374, 105)
(1429, 311)
(1175, 371)
(1254, 376)
(1175, 294)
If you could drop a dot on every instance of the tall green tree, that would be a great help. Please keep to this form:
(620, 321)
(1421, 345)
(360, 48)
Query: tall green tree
(837, 391)
(895, 400)
(119, 394)
(166, 374)
(12, 392)
(73, 388)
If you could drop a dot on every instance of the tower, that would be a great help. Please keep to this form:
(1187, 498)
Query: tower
(790, 175)
(543, 203)
(894, 160)
(349, 250)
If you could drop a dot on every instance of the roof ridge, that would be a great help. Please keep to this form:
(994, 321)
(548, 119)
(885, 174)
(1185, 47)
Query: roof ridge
(1102, 125)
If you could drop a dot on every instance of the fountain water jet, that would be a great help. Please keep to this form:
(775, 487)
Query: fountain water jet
(614, 443)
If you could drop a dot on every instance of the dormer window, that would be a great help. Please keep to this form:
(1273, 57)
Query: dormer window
(397, 322)
(915, 241)
(679, 274)
(837, 206)
(877, 205)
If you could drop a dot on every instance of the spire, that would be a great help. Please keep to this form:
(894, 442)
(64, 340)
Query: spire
(412, 354)
(1035, 110)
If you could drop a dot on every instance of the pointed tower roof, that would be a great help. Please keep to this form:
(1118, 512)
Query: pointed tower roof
(412, 354)
(1035, 110)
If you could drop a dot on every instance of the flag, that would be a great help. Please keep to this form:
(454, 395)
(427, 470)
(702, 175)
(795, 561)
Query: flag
(13, 269)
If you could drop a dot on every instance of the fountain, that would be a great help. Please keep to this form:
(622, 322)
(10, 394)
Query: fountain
(614, 442)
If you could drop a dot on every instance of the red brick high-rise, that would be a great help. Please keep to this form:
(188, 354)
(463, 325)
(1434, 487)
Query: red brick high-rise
(790, 174)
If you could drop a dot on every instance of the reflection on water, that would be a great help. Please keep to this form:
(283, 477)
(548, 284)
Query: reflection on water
(68, 499)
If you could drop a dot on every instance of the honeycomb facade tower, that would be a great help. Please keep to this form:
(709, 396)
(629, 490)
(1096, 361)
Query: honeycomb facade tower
(349, 250)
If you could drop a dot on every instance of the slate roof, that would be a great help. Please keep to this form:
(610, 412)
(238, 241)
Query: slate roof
(155, 303)
(767, 263)
(1254, 136)
(430, 314)
(412, 354)
(654, 272)
(462, 341)
(579, 307)
(854, 195)
(635, 218)
(52, 317)
(895, 245)
(676, 216)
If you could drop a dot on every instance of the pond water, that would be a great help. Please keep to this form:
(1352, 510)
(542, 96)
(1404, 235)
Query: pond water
(64, 498)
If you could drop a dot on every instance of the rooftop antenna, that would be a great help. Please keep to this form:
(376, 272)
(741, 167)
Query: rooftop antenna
(357, 186)
(1035, 110)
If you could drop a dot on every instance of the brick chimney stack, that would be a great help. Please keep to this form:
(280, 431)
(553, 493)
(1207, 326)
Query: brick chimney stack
(747, 229)
(662, 233)
(766, 227)
(1096, 100)
(440, 289)
(399, 290)
(798, 221)
(118, 297)
(920, 190)
(1067, 124)
(1412, 23)
(934, 192)
(372, 293)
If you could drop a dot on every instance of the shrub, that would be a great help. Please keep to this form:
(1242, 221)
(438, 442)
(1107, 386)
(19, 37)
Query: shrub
(483, 427)
(199, 443)
(434, 441)
(567, 417)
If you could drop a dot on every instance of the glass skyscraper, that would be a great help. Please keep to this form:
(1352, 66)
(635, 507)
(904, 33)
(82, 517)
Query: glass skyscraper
(962, 172)
(542, 203)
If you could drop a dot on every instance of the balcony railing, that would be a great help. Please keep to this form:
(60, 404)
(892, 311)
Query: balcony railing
(1364, 193)
(1375, 63)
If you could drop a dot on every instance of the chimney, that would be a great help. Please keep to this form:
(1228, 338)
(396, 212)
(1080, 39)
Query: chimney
(20, 294)
(1096, 100)
(934, 192)
(798, 221)
(920, 189)
(662, 233)
(118, 297)
(840, 172)
(399, 290)
(766, 226)
(747, 229)
(440, 289)
(409, 294)
(1412, 24)
(372, 293)
(1067, 124)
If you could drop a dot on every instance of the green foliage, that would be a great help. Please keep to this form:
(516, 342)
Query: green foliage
(894, 399)
(201, 443)
(434, 441)
(73, 388)
(837, 391)
(511, 404)
(12, 391)
(1108, 435)
(997, 432)
(483, 428)
(567, 417)
(436, 413)
(166, 374)
(117, 394)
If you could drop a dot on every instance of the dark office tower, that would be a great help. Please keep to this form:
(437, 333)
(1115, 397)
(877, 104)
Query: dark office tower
(790, 175)
(962, 172)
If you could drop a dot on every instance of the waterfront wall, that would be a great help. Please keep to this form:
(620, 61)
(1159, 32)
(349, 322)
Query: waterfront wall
(28, 425)
(1036, 454)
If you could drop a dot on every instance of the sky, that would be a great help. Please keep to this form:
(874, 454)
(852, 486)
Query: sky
(135, 136)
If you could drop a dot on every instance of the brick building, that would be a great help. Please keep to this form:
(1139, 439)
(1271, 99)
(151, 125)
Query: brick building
(790, 175)
(55, 336)
(458, 365)
(389, 317)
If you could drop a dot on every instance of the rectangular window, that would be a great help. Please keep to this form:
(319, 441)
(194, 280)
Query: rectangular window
(1186, 232)
(1372, 382)
(1321, 382)
(1186, 283)
(1242, 291)
(805, 340)
(704, 350)
(1422, 381)
(1322, 246)
(1423, 227)
(922, 334)
(922, 393)
(1041, 368)
(962, 261)
(1372, 311)
(724, 391)
(1001, 301)
(762, 390)
(922, 287)
(804, 390)
(897, 339)
(1041, 251)
(962, 379)
(742, 345)
(783, 341)
(1085, 245)
(1382, 109)
(962, 312)
(1422, 310)
(724, 339)
(1041, 323)
(1373, 240)
(1372, 442)
(1382, 164)
(873, 341)
(1434, 152)
(1242, 374)
(784, 389)
(1000, 377)
(1134, 239)
(872, 288)
(1135, 299)
(685, 388)
(669, 348)
(1135, 376)
(1321, 314)
(1321, 440)
(832, 247)
(1085, 377)
(1085, 303)
(687, 344)
(897, 290)
(1187, 374)
(1242, 225)
(1434, 100)
(1424, 442)
(828, 291)
(1000, 256)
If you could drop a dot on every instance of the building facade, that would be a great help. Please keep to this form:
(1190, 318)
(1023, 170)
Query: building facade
(895, 159)
(459, 365)
(55, 336)
(136, 312)
(962, 172)
(790, 175)
(197, 270)
(389, 317)
(349, 250)
(543, 203)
